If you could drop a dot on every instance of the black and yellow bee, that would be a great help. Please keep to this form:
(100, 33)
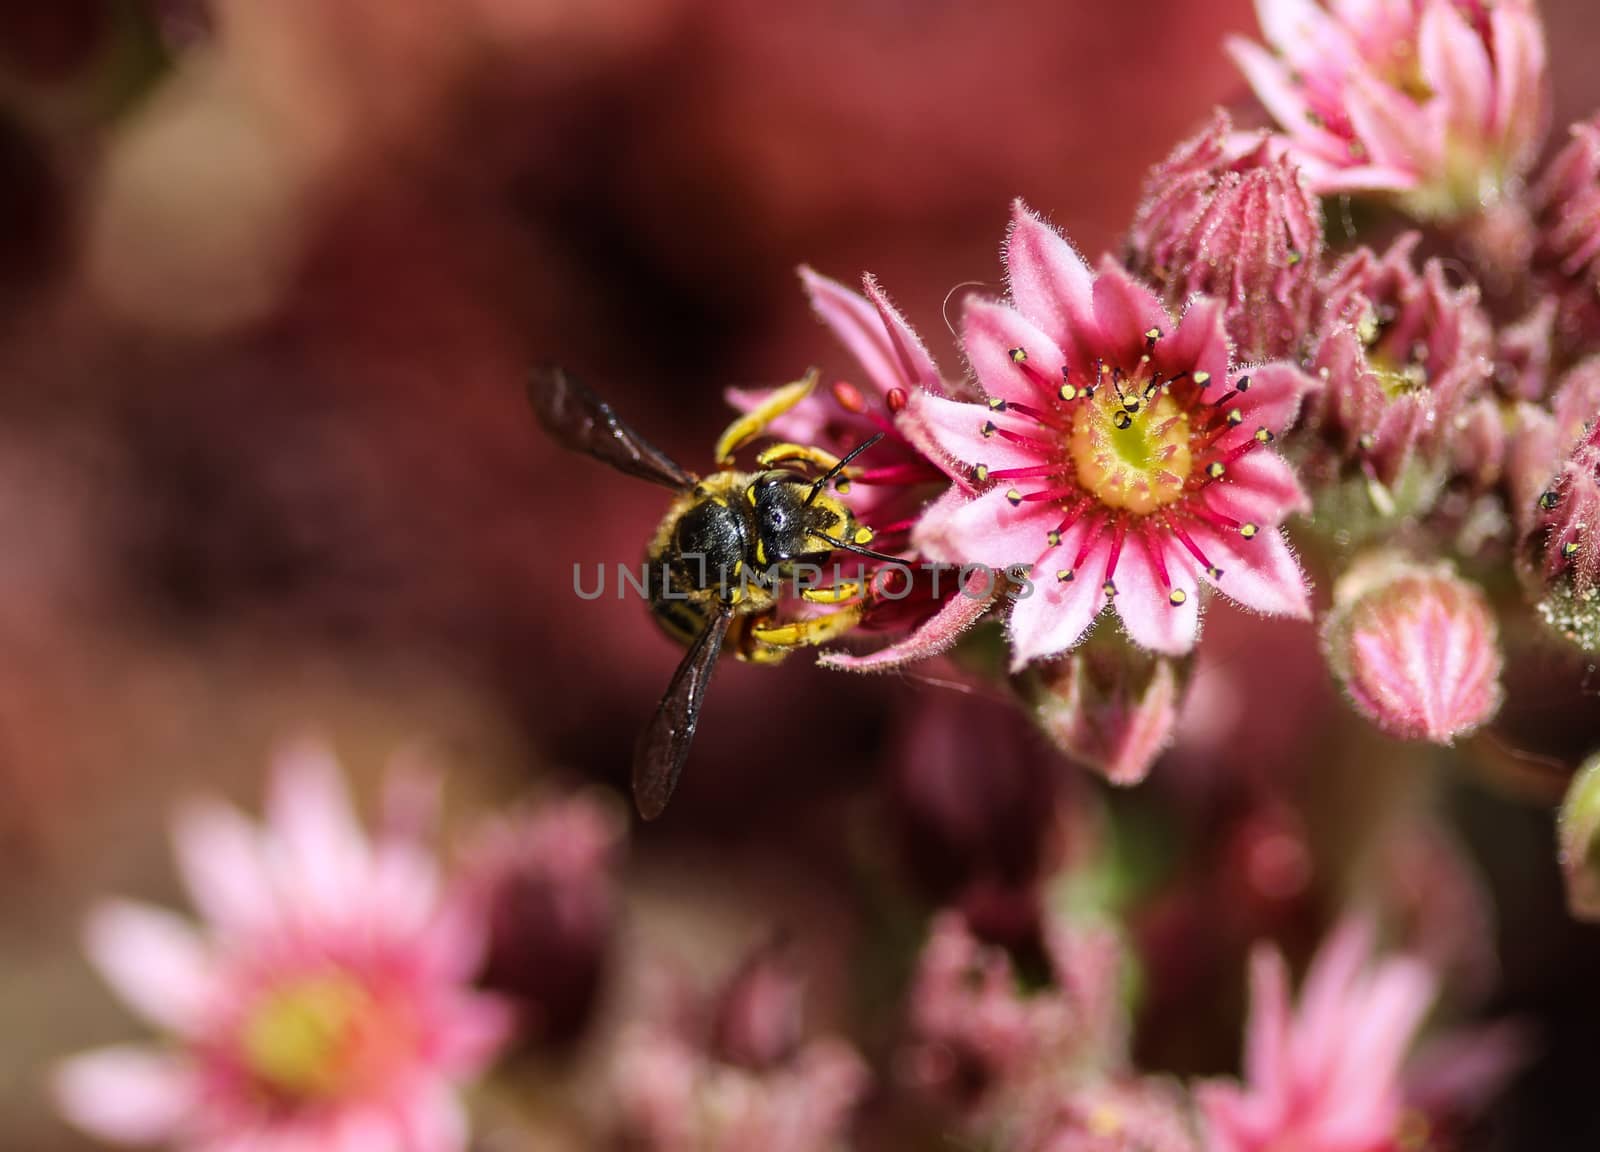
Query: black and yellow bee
(723, 553)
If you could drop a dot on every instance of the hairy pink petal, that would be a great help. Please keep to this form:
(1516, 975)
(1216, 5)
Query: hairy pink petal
(935, 635)
(1262, 573)
(1049, 282)
(1144, 599)
(220, 860)
(991, 333)
(1455, 64)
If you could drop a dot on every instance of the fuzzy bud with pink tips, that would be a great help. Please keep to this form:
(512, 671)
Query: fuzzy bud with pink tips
(1416, 647)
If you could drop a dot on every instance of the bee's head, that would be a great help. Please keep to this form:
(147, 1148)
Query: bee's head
(791, 522)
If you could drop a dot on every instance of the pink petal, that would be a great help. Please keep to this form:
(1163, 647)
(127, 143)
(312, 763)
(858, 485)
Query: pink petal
(153, 960)
(1305, 33)
(1396, 132)
(951, 434)
(1522, 103)
(1050, 283)
(990, 333)
(1260, 488)
(474, 1029)
(1266, 1052)
(1455, 64)
(125, 1095)
(1378, 1036)
(1326, 993)
(219, 859)
(1143, 599)
(1126, 311)
(1058, 613)
(935, 635)
(1272, 401)
(1284, 100)
(435, 1121)
(1261, 573)
(874, 332)
(989, 529)
(802, 424)
(324, 861)
(1199, 343)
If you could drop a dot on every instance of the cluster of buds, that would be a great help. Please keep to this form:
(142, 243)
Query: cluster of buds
(1566, 201)
(1242, 228)
(1399, 356)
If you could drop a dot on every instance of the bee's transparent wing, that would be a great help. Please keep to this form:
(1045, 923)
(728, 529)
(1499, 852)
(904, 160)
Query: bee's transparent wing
(664, 745)
(580, 420)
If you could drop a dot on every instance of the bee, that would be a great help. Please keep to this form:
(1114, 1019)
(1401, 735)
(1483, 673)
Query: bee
(722, 553)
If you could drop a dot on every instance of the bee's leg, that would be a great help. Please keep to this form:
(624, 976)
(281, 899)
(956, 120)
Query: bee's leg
(784, 453)
(811, 631)
(752, 424)
(833, 593)
(744, 642)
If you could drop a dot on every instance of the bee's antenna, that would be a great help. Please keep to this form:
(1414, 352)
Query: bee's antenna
(822, 481)
(847, 546)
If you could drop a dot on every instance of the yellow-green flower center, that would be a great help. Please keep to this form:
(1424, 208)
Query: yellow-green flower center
(1131, 452)
(322, 1037)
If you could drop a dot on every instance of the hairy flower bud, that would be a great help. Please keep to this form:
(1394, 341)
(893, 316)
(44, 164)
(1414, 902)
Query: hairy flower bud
(1566, 203)
(1109, 705)
(1580, 841)
(1561, 554)
(1241, 228)
(1399, 355)
(1416, 647)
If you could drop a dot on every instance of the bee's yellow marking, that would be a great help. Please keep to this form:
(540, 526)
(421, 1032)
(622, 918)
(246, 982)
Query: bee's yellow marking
(752, 424)
(750, 495)
(836, 594)
(761, 553)
(778, 453)
(811, 631)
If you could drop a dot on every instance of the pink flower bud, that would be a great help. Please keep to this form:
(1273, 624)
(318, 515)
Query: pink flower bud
(1399, 355)
(1241, 228)
(1580, 841)
(1416, 648)
(1478, 448)
(1561, 555)
(1109, 705)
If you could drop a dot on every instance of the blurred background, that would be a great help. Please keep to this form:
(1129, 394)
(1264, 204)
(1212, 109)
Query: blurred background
(271, 273)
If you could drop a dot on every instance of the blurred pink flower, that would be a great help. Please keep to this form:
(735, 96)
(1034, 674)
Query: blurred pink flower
(979, 1035)
(1240, 227)
(326, 1006)
(1416, 647)
(544, 882)
(737, 1073)
(1117, 458)
(1442, 101)
(1326, 1078)
(1117, 1115)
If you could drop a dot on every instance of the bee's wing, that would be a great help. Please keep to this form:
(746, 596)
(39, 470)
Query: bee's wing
(580, 420)
(664, 745)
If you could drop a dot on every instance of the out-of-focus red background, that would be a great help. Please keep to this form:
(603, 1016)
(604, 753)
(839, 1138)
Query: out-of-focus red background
(265, 461)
